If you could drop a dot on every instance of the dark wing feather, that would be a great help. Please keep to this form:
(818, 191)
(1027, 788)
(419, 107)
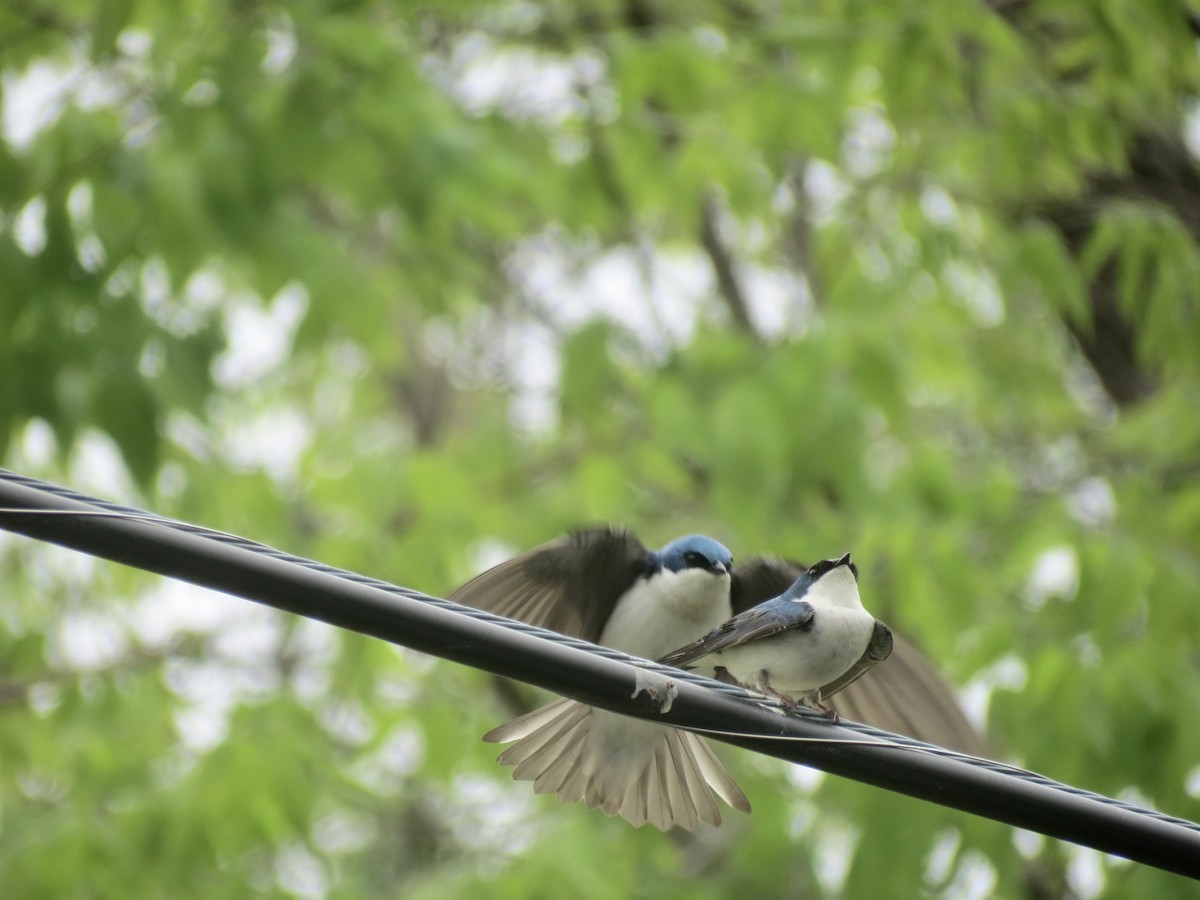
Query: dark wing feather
(760, 579)
(569, 585)
(759, 622)
(878, 649)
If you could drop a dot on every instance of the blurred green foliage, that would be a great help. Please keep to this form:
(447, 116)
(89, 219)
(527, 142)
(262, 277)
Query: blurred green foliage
(403, 287)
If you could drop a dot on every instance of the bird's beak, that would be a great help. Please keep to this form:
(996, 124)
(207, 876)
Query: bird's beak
(719, 568)
(845, 561)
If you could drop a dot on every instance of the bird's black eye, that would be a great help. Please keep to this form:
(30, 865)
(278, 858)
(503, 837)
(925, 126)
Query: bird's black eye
(694, 559)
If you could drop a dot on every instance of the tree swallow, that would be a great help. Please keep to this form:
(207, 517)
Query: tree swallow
(602, 585)
(802, 646)
(909, 696)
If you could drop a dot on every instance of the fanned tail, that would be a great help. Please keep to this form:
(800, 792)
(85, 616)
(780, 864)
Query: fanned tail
(628, 767)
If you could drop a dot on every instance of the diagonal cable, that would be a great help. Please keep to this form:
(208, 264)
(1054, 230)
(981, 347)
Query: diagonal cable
(598, 676)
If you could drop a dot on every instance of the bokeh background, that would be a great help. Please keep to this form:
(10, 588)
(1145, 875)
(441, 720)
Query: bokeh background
(408, 288)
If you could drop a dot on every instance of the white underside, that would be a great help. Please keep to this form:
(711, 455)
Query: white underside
(629, 767)
(659, 614)
(800, 661)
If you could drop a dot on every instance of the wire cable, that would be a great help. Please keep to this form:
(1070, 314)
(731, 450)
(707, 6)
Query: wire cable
(594, 675)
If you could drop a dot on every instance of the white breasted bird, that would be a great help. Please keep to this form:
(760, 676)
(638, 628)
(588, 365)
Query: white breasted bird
(804, 645)
(602, 585)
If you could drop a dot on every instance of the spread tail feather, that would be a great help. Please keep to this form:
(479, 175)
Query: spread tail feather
(638, 770)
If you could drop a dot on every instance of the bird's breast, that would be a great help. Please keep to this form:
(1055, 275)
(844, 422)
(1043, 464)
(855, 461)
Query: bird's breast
(802, 660)
(668, 609)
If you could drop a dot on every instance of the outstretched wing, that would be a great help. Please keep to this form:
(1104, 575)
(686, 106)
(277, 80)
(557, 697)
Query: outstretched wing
(760, 579)
(569, 585)
(760, 622)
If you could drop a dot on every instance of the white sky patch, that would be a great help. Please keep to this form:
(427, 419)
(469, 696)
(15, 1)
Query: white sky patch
(281, 45)
(204, 92)
(1059, 462)
(170, 607)
(657, 307)
(257, 636)
(827, 191)
(654, 296)
(35, 446)
(34, 99)
(867, 147)
(347, 721)
(804, 816)
(1191, 783)
(1055, 575)
(44, 698)
(79, 205)
(975, 878)
(201, 727)
(833, 852)
(1009, 673)
(536, 366)
(940, 861)
(51, 571)
(86, 641)
(1092, 502)
(486, 814)
(1028, 843)
(188, 433)
(487, 552)
(97, 467)
(397, 691)
(135, 43)
(939, 208)
(804, 778)
(978, 291)
(29, 227)
(274, 441)
(342, 831)
(301, 874)
(202, 294)
(259, 336)
(1191, 128)
(1085, 871)
(314, 645)
(88, 248)
(400, 754)
(483, 77)
(209, 689)
(780, 302)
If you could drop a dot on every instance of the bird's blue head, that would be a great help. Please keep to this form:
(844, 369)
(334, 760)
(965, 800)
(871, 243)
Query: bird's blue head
(696, 551)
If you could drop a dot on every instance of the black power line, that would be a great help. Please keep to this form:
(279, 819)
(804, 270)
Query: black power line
(594, 675)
